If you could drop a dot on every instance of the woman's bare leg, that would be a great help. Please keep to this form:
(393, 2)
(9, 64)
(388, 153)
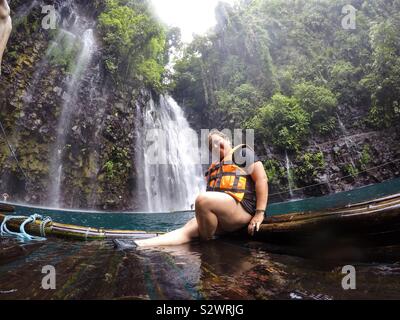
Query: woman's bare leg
(216, 213)
(183, 235)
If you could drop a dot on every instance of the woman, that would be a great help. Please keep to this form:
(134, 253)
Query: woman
(5, 27)
(236, 197)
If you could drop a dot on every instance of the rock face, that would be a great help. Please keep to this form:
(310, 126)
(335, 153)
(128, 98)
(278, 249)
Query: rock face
(98, 152)
(340, 162)
(97, 156)
(353, 155)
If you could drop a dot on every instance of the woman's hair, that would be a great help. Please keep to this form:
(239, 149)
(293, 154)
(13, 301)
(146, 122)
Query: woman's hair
(215, 132)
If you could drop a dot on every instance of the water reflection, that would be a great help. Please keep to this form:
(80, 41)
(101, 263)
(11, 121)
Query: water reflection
(220, 269)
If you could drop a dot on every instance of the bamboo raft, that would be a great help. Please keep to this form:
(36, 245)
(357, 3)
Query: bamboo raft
(367, 224)
(376, 222)
(66, 231)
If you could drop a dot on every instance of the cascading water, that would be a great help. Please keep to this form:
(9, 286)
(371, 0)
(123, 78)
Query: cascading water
(99, 100)
(167, 158)
(289, 175)
(81, 34)
(349, 142)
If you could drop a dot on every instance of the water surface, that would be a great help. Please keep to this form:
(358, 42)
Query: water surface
(216, 270)
(221, 269)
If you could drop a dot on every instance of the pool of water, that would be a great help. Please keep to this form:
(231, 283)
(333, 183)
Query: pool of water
(220, 269)
(172, 220)
(216, 270)
(339, 199)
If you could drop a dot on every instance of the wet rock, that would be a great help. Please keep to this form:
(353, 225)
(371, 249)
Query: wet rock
(58, 91)
(44, 130)
(336, 149)
(335, 168)
(322, 178)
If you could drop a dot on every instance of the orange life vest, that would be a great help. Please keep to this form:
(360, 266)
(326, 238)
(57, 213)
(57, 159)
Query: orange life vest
(229, 178)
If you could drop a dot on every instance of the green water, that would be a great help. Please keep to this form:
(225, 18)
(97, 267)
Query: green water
(171, 221)
(337, 200)
(220, 269)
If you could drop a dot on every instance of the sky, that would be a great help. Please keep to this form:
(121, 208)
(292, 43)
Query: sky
(191, 16)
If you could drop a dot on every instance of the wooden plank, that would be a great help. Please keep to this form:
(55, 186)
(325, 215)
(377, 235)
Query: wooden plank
(6, 208)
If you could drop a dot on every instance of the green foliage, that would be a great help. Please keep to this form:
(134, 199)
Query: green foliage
(327, 126)
(310, 164)
(282, 122)
(63, 52)
(366, 157)
(109, 169)
(135, 42)
(351, 170)
(319, 102)
(222, 73)
(238, 105)
(297, 49)
(274, 172)
(345, 80)
(383, 81)
(118, 165)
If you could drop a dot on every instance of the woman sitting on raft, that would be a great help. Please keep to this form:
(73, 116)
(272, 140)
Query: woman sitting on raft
(236, 197)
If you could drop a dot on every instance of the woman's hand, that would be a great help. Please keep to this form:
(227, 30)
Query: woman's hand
(255, 223)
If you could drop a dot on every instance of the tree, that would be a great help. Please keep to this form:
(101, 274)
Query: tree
(282, 122)
(135, 43)
(384, 79)
(320, 103)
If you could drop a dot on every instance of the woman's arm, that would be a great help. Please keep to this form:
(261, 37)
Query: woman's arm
(260, 179)
(4, 9)
(5, 27)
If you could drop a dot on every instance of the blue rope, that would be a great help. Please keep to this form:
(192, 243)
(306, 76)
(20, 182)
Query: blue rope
(22, 234)
(3, 228)
(43, 224)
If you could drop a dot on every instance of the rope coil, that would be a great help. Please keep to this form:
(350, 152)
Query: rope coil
(22, 234)
(43, 224)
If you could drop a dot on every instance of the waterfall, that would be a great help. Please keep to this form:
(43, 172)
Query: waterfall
(82, 34)
(289, 175)
(343, 127)
(348, 141)
(99, 100)
(174, 182)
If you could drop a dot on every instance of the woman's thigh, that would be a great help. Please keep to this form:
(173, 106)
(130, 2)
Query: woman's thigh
(230, 214)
